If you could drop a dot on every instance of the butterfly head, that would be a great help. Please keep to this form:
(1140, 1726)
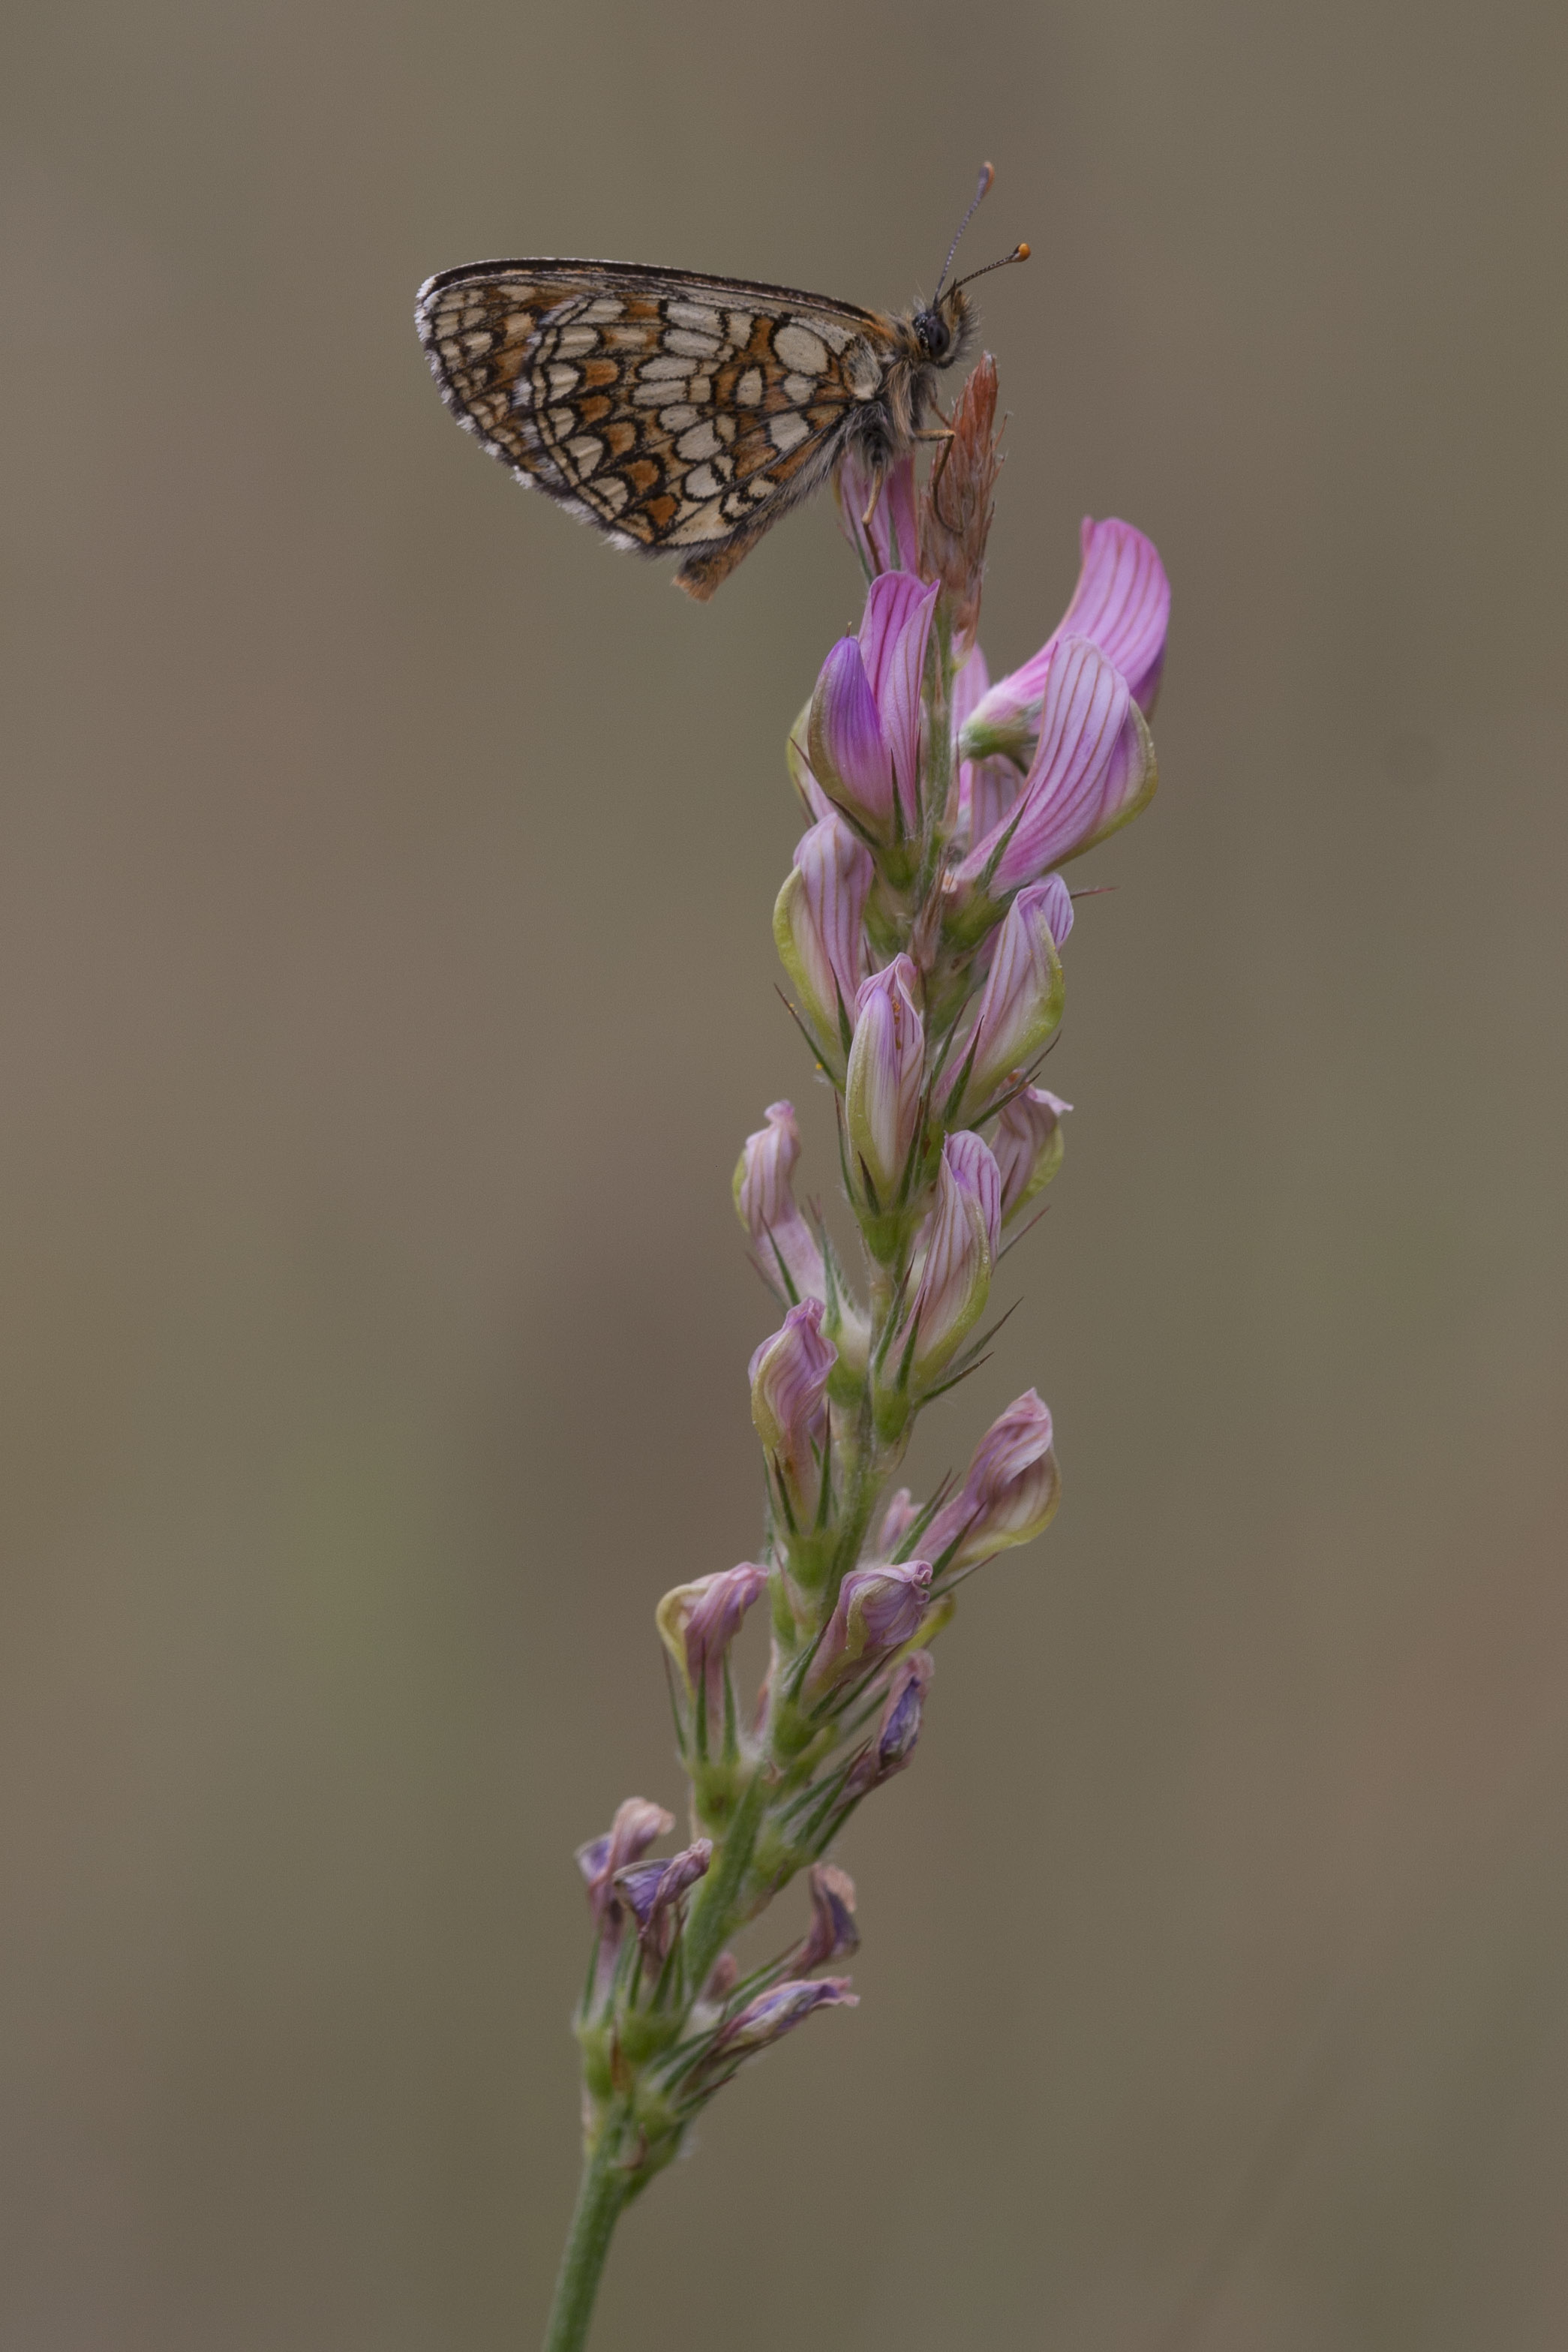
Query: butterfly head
(941, 328)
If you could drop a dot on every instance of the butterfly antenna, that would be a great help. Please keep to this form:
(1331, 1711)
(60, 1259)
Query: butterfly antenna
(987, 174)
(1020, 253)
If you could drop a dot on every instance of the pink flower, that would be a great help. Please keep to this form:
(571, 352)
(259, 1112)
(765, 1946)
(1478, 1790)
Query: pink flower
(1093, 769)
(879, 1609)
(864, 733)
(887, 1067)
(1012, 1488)
(958, 1251)
(890, 540)
(789, 1388)
(1028, 1143)
(1121, 603)
(1021, 1003)
(818, 925)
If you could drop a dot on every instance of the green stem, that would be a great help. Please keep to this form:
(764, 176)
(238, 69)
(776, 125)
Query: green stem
(599, 2201)
(712, 1914)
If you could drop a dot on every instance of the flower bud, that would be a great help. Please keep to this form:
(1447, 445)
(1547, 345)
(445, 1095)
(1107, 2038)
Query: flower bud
(1093, 769)
(818, 925)
(1009, 1494)
(601, 1862)
(652, 1890)
(863, 737)
(784, 1250)
(1021, 1003)
(789, 1385)
(1027, 1143)
(876, 511)
(955, 513)
(633, 1831)
(832, 1934)
(771, 2014)
(900, 1728)
(958, 1251)
(697, 1621)
(878, 1610)
(1121, 603)
(887, 1067)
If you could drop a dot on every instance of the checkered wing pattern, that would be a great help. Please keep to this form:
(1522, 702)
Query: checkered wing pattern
(673, 411)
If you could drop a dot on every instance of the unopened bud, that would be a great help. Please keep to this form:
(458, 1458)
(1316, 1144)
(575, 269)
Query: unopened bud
(955, 513)
(833, 1934)
(957, 1251)
(879, 1609)
(1026, 1142)
(887, 1067)
(1009, 1494)
(900, 1727)
(817, 927)
(1021, 1004)
(789, 1375)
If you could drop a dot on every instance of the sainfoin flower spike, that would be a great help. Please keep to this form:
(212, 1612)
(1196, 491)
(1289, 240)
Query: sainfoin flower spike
(921, 929)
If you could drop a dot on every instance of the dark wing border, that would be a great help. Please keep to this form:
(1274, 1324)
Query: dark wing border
(642, 275)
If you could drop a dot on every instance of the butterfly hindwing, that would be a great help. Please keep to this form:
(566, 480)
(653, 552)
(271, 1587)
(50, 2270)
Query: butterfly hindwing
(674, 412)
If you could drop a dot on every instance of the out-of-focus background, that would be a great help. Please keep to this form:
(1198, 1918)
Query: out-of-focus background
(386, 988)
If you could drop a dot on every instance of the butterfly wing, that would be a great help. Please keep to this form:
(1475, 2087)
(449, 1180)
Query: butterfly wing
(671, 411)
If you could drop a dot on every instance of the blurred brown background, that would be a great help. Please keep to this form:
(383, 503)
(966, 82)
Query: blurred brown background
(385, 987)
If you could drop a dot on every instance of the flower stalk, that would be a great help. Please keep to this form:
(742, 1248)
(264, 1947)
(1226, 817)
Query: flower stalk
(921, 929)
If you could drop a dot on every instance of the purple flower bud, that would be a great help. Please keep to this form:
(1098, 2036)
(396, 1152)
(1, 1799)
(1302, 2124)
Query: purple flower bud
(887, 1067)
(771, 2014)
(1021, 1003)
(897, 1520)
(878, 1610)
(876, 512)
(1093, 768)
(652, 1890)
(789, 1385)
(833, 1934)
(900, 1728)
(784, 1250)
(817, 924)
(863, 738)
(958, 1250)
(633, 1831)
(697, 1621)
(1028, 1144)
(1010, 1493)
(601, 1862)
(1121, 603)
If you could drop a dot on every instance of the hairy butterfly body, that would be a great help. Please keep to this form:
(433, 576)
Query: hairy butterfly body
(676, 413)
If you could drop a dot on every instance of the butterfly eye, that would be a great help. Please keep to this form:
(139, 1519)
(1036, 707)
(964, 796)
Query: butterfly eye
(932, 329)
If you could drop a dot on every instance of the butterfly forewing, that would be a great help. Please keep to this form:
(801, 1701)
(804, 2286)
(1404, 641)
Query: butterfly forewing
(673, 411)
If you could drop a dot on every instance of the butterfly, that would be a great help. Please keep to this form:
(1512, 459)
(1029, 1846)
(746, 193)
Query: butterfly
(681, 414)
